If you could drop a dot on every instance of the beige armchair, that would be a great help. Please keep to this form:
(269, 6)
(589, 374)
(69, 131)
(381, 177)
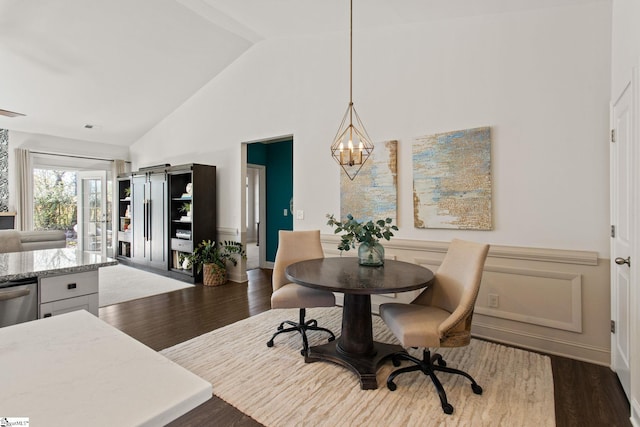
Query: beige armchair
(297, 246)
(440, 316)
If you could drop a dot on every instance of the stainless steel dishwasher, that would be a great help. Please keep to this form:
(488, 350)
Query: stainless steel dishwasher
(18, 301)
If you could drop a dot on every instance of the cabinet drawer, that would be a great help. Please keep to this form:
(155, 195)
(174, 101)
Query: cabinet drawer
(84, 302)
(182, 245)
(68, 286)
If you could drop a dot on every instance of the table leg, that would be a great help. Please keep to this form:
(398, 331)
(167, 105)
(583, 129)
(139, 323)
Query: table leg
(355, 349)
(356, 338)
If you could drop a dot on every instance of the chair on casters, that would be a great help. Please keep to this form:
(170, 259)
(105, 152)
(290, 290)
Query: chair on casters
(440, 316)
(297, 246)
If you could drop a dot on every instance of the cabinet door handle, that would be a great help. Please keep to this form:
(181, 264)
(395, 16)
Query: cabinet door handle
(47, 315)
(144, 220)
(71, 286)
(149, 220)
(12, 294)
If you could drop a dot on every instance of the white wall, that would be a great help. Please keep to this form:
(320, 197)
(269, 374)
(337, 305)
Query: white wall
(56, 145)
(540, 79)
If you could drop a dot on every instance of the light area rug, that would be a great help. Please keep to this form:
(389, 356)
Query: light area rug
(119, 283)
(277, 388)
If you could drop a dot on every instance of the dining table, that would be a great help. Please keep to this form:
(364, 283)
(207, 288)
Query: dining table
(355, 348)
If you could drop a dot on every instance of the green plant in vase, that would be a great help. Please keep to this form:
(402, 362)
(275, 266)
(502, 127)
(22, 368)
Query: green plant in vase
(366, 234)
(212, 259)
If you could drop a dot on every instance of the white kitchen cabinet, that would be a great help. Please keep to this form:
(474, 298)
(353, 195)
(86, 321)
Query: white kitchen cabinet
(68, 292)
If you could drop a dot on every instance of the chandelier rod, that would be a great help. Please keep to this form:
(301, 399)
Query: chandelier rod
(351, 70)
(351, 54)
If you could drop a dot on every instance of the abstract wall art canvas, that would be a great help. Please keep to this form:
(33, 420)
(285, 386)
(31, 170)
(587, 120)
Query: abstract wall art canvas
(452, 180)
(373, 194)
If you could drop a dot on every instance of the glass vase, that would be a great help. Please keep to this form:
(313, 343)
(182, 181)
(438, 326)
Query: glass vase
(371, 254)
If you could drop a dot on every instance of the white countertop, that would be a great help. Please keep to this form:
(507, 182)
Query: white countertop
(44, 262)
(76, 370)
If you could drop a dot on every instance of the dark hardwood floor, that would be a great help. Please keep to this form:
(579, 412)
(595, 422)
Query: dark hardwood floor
(585, 394)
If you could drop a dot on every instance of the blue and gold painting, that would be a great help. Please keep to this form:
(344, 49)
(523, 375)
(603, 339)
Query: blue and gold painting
(452, 180)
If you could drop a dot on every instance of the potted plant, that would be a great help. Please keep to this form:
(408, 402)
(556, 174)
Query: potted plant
(212, 258)
(367, 234)
(185, 209)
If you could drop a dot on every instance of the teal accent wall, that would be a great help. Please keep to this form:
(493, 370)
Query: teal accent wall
(277, 157)
(257, 154)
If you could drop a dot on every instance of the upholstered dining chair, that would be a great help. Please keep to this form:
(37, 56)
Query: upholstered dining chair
(440, 316)
(297, 246)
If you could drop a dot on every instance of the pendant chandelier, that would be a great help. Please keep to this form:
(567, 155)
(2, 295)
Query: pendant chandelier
(352, 145)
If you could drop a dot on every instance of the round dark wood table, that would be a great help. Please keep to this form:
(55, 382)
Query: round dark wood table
(355, 348)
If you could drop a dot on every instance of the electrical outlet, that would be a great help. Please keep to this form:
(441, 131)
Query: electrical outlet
(492, 300)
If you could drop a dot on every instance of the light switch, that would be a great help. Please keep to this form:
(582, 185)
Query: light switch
(285, 212)
(299, 214)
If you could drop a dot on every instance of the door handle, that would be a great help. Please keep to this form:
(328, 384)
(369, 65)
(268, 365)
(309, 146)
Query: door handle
(622, 261)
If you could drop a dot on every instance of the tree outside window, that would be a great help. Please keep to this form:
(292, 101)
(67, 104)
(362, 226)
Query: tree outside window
(54, 200)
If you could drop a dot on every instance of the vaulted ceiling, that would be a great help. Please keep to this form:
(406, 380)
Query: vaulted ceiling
(121, 66)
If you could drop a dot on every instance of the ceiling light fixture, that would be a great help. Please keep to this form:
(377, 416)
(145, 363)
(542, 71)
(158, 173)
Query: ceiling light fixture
(352, 145)
(8, 113)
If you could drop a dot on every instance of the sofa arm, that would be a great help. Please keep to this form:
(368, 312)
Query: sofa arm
(10, 241)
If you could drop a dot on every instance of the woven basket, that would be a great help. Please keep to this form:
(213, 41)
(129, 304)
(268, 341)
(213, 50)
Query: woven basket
(213, 275)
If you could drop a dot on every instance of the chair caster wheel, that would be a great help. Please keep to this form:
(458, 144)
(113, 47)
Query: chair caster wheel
(304, 353)
(270, 343)
(442, 362)
(391, 385)
(448, 409)
(476, 388)
(280, 327)
(331, 339)
(395, 362)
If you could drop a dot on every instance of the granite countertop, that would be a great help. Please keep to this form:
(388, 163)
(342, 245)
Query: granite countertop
(76, 370)
(46, 262)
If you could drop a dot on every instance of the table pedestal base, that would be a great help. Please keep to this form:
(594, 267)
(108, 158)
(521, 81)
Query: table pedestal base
(365, 367)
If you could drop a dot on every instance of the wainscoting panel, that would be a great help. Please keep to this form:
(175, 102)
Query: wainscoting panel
(548, 300)
(538, 297)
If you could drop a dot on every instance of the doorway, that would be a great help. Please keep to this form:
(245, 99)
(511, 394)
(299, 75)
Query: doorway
(276, 157)
(94, 215)
(74, 194)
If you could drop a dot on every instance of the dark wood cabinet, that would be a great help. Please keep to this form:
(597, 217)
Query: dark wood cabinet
(164, 213)
(124, 218)
(192, 210)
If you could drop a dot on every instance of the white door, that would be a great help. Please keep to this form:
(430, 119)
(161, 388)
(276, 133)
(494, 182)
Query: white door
(92, 211)
(256, 216)
(622, 204)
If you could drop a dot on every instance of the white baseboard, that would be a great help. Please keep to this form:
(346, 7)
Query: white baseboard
(635, 413)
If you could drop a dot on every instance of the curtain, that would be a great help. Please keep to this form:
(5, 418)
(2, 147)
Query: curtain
(4, 170)
(119, 166)
(24, 198)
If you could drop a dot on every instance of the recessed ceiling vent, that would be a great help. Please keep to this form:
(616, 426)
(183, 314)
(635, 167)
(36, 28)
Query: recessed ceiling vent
(8, 113)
